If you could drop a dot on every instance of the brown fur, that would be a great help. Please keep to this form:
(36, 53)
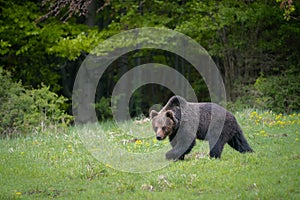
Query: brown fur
(183, 122)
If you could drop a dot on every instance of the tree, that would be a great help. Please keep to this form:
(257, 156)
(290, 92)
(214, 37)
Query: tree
(47, 42)
(26, 46)
(245, 38)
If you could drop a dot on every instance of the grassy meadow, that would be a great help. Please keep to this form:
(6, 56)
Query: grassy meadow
(56, 164)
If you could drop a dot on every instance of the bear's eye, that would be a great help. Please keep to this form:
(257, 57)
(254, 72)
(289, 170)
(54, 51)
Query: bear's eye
(155, 129)
(164, 128)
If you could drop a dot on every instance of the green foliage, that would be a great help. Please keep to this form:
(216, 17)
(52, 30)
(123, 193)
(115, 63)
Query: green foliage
(288, 7)
(26, 111)
(26, 47)
(122, 16)
(279, 93)
(72, 47)
(201, 90)
(103, 108)
(244, 37)
(4, 47)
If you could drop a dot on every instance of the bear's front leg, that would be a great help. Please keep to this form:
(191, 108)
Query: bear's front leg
(174, 155)
(179, 151)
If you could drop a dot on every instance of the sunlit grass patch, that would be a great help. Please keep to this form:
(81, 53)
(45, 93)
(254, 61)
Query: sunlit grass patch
(131, 136)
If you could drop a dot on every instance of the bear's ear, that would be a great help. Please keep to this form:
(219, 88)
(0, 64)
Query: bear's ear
(153, 113)
(170, 114)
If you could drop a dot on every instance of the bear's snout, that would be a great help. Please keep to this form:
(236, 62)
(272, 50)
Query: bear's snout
(160, 134)
(158, 137)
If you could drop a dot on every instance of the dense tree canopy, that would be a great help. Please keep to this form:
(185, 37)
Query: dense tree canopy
(45, 42)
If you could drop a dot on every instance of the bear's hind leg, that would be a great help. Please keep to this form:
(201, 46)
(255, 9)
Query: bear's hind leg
(181, 157)
(216, 150)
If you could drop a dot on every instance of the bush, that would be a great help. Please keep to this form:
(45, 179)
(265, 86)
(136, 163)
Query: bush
(279, 93)
(24, 111)
(103, 109)
(246, 98)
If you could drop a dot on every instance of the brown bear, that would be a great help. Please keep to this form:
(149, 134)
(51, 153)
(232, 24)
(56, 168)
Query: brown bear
(184, 121)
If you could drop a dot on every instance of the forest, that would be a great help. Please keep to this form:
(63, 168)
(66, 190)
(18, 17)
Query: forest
(254, 43)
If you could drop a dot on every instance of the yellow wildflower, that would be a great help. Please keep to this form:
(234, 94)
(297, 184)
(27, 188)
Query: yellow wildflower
(108, 165)
(165, 141)
(138, 142)
(263, 133)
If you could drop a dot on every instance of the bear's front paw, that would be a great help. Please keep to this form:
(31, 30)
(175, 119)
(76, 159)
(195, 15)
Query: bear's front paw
(170, 156)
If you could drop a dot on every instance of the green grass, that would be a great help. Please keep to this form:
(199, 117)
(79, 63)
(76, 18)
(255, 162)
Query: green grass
(57, 164)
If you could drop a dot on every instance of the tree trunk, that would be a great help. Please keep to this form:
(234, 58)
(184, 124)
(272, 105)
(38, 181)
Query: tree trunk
(91, 15)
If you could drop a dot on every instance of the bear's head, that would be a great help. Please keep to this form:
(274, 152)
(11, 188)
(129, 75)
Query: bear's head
(163, 123)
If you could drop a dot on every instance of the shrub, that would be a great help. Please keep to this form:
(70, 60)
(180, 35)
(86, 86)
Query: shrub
(246, 98)
(24, 111)
(279, 93)
(103, 108)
